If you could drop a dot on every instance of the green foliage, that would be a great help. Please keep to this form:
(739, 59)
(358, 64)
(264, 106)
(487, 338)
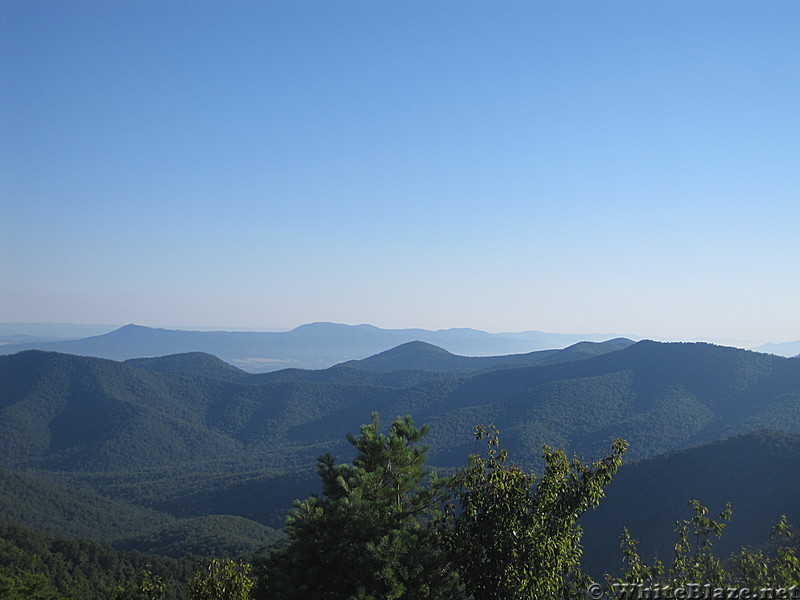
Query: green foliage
(694, 562)
(35, 566)
(24, 585)
(222, 580)
(511, 537)
(149, 587)
(785, 568)
(369, 535)
(378, 531)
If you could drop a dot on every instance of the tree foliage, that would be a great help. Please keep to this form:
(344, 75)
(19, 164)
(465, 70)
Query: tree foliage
(369, 535)
(222, 580)
(694, 562)
(149, 587)
(34, 566)
(24, 585)
(511, 536)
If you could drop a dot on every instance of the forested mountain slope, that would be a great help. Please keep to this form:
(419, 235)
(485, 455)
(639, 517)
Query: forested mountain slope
(62, 412)
(58, 510)
(198, 363)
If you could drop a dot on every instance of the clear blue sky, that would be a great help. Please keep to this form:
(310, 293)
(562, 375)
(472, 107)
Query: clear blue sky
(572, 166)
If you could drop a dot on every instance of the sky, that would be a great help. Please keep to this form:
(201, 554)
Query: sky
(566, 166)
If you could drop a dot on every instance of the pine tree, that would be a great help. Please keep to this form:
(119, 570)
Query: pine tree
(369, 536)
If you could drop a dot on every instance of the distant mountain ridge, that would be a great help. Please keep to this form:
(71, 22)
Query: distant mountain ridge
(782, 349)
(424, 356)
(312, 346)
(40, 332)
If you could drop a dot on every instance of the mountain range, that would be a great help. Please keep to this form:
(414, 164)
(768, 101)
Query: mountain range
(312, 346)
(192, 439)
(782, 349)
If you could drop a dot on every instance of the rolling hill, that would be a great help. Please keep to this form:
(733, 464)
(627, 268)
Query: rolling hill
(55, 509)
(198, 363)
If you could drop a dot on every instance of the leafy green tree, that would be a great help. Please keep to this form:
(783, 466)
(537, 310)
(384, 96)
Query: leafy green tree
(785, 569)
(369, 535)
(696, 562)
(511, 536)
(149, 587)
(222, 580)
(693, 560)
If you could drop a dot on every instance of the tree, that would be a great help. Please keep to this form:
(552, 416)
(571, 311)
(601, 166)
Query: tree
(694, 563)
(511, 536)
(369, 535)
(149, 587)
(222, 580)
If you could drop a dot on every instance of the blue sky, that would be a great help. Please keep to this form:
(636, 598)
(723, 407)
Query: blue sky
(573, 166)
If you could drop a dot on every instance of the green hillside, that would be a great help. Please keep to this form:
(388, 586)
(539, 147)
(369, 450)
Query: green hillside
(198, 363)
(57, 510)
(659, 397)
(211, 535)
(174, 529)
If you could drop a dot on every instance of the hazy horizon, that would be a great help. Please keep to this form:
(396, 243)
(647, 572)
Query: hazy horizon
(629, 168)
(67, 329)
